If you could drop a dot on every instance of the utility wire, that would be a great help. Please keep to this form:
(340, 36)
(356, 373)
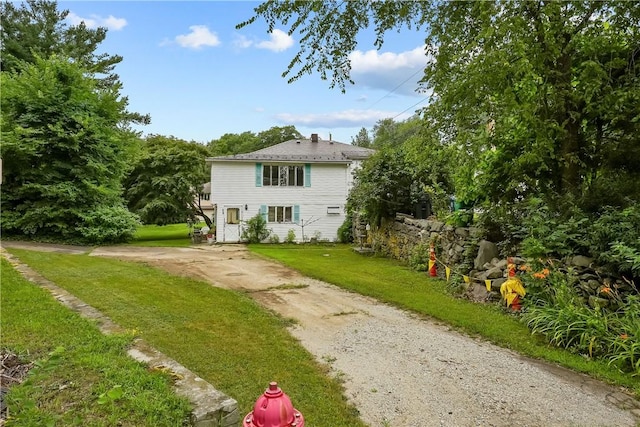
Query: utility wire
(395, 88)
(403, 111)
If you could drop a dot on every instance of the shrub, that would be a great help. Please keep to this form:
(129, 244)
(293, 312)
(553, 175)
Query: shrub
(255, 230)
(419, 258)
(615, 240)
(291, 236)
(345, 232)
(554, 309)
(625, 346)
(274, 238)
(108, 224)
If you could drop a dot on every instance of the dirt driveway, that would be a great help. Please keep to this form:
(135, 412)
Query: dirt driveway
(400, 370)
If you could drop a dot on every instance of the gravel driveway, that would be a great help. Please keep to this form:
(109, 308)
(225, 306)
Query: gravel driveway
(398, 369)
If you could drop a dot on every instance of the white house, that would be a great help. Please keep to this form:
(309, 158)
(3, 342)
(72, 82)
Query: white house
(203, 199)
(300, 185)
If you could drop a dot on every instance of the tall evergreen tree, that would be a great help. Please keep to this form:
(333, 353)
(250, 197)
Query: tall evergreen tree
(36, 28)
(64, 155)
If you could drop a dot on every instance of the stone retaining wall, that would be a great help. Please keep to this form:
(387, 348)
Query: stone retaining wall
(464, 250)
(399, 239)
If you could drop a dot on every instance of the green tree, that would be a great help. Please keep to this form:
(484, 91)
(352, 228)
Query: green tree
(362, 139)
(533, 97)
(36, 28)
(386, 132)
(64, 153)
(276, 135)
(384, 185)
(246, 142)
(233, 143)
(166, 180)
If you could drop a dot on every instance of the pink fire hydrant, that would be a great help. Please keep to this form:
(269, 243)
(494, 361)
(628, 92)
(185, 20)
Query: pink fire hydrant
(273, 409)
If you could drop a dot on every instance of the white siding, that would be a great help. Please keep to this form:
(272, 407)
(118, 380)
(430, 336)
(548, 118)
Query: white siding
(234, 183)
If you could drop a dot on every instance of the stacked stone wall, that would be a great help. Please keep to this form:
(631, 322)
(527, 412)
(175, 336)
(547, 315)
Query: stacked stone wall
(399, 239)
(464, 251)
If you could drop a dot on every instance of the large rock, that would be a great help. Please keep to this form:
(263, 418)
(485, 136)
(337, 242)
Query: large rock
(437, 226)
(486, 252)
(492, 273)
(477, 292)
(496, 284)
(581, 261)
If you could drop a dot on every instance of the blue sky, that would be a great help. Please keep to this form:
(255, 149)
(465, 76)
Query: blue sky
(198, 77)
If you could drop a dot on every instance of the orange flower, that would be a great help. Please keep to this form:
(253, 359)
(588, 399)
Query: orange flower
(606, 290)
(524, 267)
(539, 275)
(624, 336)
(545, 271)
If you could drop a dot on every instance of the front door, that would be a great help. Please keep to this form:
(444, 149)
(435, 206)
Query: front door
(232, 223)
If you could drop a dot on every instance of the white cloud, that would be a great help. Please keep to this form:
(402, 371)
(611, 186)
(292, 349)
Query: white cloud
(241, 42)
(95, 21)
(398, 72)
(278, 41)
(199, 36)
(336, 119)
(113, 23)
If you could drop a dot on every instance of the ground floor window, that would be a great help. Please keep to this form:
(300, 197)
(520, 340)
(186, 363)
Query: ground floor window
(280, 214)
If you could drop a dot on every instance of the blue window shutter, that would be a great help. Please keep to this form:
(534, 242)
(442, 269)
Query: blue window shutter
(258, 174)
(307, 174)
(263, 212)
(296, 213)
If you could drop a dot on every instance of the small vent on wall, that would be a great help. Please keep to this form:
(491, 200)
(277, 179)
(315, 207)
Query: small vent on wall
(333, 210)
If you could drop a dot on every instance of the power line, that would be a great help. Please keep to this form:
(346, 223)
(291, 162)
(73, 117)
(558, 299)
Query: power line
(395, 88)
(403, 111)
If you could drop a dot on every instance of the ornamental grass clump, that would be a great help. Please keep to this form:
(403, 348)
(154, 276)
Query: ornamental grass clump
(610, 331)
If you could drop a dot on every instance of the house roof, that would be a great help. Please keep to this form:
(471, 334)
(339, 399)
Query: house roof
(303, 150)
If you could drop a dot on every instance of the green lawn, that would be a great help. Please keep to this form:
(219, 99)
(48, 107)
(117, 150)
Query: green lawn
(393, 283)
(173, 235)
(223, 336)
(82, 378)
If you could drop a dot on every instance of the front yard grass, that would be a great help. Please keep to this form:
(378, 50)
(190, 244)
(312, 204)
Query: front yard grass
(390, 282)
(173, 235)
(223, 336)
(82, 377)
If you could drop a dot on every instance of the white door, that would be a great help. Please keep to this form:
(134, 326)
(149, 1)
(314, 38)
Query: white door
(232, 215)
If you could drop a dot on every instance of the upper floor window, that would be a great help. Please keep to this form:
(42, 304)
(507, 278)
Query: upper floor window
(283, 176)
(205, 196)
